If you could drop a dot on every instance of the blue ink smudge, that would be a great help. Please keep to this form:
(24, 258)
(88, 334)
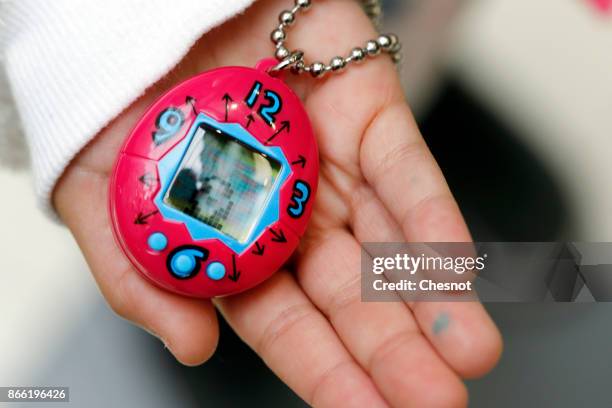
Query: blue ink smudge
(441, 323)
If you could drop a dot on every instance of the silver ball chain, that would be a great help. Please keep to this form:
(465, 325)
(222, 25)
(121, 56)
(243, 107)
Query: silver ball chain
(385, 43)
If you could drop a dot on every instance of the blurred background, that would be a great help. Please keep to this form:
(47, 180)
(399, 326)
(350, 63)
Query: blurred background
(513, 97)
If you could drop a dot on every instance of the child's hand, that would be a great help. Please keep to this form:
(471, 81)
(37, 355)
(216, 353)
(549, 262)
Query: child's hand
(378, 182)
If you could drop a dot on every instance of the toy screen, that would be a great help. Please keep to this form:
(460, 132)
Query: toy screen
(223, 183)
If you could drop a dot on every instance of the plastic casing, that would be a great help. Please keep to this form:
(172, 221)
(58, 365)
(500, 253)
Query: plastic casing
(144, 168)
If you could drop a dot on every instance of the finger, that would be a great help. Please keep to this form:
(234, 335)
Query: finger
(362, 118)
(398, 165)
(188, 327)
(461, 332)
(370, 220)
(372, 125)
(383, 337)
(279, 322)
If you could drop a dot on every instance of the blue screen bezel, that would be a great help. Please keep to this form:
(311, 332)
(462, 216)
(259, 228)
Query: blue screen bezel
(199, 231)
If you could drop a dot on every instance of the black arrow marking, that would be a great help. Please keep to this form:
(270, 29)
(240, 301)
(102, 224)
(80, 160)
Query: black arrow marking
(285, 125)
(235, 272)
(301, 161)
(260, 249)
(278, 236)
(227, 100)
(141, 219)
(251, 119)
(148, 179)
(191, 101)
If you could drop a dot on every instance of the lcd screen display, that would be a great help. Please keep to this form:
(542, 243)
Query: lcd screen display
(223, 183)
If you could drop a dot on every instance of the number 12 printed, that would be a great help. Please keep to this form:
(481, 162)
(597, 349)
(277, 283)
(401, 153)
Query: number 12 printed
(268, 110)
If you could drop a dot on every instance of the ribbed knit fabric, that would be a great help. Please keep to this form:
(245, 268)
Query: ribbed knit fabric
(75, 65)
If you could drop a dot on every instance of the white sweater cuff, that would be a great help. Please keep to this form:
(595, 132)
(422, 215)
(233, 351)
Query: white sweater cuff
(75, 65)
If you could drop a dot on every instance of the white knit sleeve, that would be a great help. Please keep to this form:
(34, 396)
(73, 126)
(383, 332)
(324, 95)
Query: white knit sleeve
(74, 65)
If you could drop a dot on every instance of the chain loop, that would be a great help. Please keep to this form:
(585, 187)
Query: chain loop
(295, 58)
(385, 43)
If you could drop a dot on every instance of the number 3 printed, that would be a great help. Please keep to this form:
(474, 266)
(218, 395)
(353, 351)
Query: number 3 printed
(301, 195)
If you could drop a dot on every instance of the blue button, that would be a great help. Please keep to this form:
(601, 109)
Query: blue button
(183, 265)
(215, 271)
(157, 241)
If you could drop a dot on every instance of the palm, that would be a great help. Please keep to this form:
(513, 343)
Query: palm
(378, 183)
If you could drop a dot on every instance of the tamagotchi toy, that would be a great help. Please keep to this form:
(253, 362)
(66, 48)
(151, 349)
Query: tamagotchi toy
(215, 185)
